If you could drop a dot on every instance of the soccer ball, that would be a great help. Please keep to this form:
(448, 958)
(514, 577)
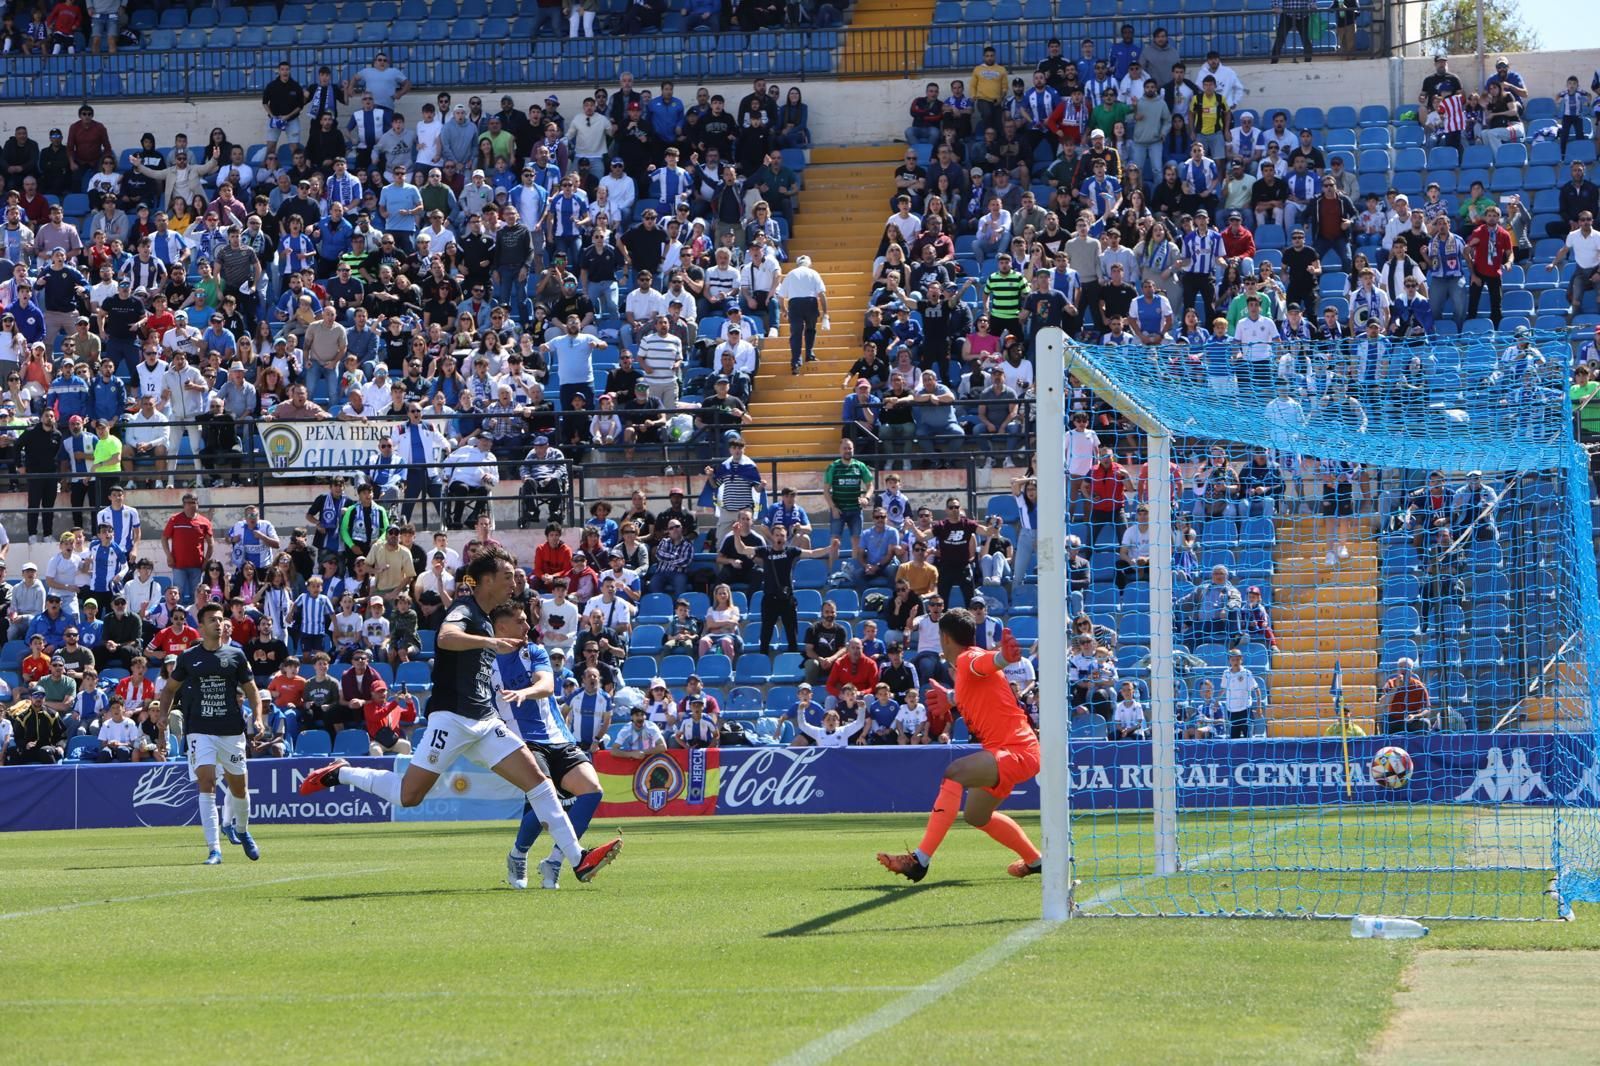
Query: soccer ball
(1391, 767)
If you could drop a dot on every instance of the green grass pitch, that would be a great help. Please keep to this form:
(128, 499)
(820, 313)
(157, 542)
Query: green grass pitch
(722, 940)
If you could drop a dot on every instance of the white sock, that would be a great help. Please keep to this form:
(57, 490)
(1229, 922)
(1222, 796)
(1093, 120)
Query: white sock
(554, 856)
(239, 811)
(385, 784)
(208, 819)
(224, 814)
(547, 805)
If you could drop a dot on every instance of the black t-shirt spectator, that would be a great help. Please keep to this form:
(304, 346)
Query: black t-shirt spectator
(646, 247)
(717, 131)
(1046, 308)
(283, 98)
(954, 535)
(826, 639)
(744, 568)
(721, 414)
(602, 264)
(1301, 284)
(1116, 299)
(266, 656)
(898, 678)
(777, 570)
(121, 313)
(40, 448)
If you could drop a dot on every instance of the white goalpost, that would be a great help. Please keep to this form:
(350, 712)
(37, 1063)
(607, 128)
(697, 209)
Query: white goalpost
(1051, 403)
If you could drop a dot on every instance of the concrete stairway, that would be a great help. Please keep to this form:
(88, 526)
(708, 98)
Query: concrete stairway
(840, 218)
(1321, 615)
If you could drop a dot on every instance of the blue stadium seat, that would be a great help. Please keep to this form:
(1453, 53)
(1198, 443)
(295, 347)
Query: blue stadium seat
(646, 639)
(1410, 159)
(810, 574)
(81, 749)
(845, 601)
(1545, 154)
(1374, 137)
(1308, 118)
(1342, 116)
(351, 742)
(1375, 115)
(1401, 590)
(1443, 157)
(1373, 161)
(1341, 137)
(313, 743)
(1511, 155)
(1477, 155)
(713, 669)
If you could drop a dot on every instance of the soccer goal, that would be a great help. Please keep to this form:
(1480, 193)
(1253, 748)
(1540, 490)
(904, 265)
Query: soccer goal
(1339, 559)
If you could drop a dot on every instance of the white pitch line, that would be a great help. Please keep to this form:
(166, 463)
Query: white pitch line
(392, 995)
(830, 1045)
(58, 908)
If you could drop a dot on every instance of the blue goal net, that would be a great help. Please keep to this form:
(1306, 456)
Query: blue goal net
(1375, 544)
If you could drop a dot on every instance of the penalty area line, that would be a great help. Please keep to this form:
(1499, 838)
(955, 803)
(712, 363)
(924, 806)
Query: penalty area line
(60, 907)
(830, 1045)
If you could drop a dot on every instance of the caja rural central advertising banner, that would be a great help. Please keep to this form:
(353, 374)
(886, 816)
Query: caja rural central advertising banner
(1468, 768)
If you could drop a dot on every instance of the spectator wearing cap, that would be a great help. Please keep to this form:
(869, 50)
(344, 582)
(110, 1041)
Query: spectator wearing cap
(36, 731)
(805, 709)
(736, 481)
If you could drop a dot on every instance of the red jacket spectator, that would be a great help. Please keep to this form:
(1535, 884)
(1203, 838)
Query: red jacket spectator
(190, 536)
(551, 561)
(855, 669)
(1108, 487)
(392, 714)
(1238, 241)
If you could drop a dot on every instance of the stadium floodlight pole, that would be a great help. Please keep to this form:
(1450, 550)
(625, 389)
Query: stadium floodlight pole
(1163, 707)
(1050, 470)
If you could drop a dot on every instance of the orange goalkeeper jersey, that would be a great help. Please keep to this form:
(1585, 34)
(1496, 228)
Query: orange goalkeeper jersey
(984, 697)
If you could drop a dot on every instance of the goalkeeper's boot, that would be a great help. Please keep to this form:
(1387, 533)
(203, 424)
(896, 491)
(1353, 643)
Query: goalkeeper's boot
(214, 857)
(324, 777)
(908, 865)
(247, 842)
(550, 873)
(596, 859)
(516, 870)
(1024, 868)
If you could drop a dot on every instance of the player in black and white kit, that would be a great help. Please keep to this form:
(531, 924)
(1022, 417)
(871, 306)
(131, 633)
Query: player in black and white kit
(471, 727)
(213, 685)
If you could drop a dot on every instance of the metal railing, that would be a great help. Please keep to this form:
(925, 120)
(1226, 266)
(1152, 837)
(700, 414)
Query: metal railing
(283, 495)
(791, 54)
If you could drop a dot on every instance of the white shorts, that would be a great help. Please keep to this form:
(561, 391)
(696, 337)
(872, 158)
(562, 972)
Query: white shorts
(225, 753)
(449, 736)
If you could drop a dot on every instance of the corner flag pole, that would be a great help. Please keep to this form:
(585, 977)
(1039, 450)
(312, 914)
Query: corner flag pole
(1050, 467)
(1343, 712)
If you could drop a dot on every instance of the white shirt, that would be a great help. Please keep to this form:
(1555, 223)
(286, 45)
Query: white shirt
(909, 225)
(744, 356)
(566, 633)
(1082, 446)
(910, 719)
(1238, 689)
(1257, 336)
(927, 634)
(839, 738)
(1137, 541)
(125, 732)
(1128, 714)
(644, 306)
(801, 281)
(1229, 87)
(722, 283)
(479, 468)
(620, 193)
(760, 277)
(143, 430)
(140, 595)
(1585, 250)
(1019, 378)
(428, 134)
(63, 569)
(182, 401)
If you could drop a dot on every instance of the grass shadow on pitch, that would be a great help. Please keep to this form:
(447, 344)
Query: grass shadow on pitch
(341, 897)
(882, 896)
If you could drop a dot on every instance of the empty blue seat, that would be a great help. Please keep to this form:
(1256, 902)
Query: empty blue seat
(1443, 157)
(1511, 155)
(313, 743)
(1410, 159)
(1375, 115)
(713, 669)
(1477, 155)
(1401, 621)
(349, 742)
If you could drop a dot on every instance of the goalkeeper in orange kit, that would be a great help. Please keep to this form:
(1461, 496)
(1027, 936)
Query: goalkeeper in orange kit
(1010, 754)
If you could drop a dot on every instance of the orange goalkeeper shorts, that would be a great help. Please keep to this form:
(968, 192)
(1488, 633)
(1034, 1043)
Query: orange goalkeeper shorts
(1016, 765)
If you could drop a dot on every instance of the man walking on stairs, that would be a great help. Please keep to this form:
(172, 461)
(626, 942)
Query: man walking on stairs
(804, 298)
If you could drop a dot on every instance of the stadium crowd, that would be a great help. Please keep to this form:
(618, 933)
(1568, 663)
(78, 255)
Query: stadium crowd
(461, 276)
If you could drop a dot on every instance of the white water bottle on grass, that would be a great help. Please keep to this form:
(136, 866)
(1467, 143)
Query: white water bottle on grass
(1373, 927)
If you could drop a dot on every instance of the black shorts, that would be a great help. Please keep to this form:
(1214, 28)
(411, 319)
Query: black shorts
(1338, 499)
(558, 760)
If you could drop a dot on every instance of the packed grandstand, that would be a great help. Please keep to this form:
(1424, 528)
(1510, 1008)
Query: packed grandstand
(385, 326)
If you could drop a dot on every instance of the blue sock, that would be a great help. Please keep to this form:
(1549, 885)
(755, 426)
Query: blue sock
(527, 832)
(582, 811)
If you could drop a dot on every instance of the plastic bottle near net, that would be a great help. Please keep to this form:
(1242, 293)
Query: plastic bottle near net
(1373, 927)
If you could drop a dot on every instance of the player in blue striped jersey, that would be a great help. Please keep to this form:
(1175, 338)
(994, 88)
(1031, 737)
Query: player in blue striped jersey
(526, 698)
(103, 565)
(589, 710)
